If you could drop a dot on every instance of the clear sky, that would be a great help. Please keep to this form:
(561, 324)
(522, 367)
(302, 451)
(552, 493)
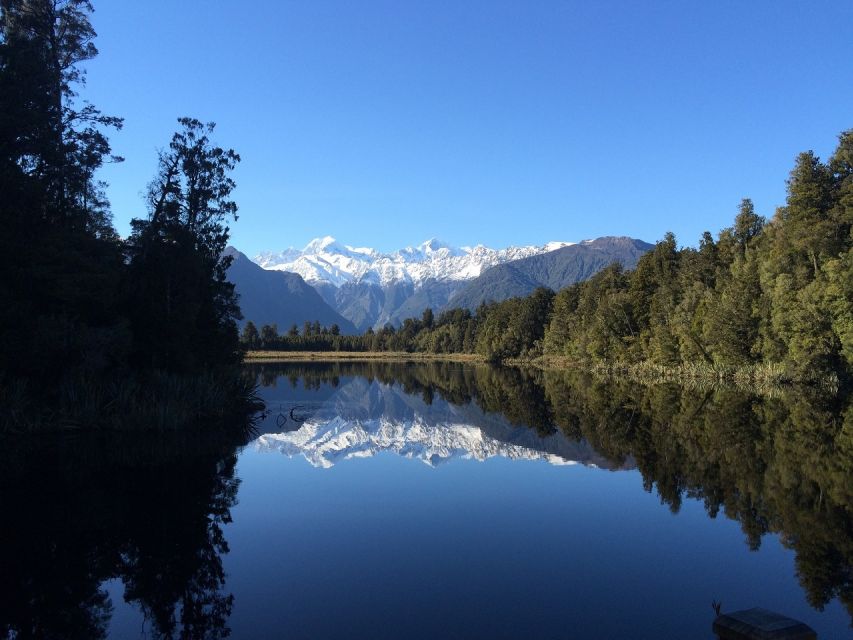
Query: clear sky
(384, 123)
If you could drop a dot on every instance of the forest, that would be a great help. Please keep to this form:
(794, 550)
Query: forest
(767, 298)
(98, 330)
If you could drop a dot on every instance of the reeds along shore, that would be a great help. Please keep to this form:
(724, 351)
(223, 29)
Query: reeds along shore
(158, 401)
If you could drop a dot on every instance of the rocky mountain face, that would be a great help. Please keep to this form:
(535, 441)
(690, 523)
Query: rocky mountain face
(554, 270)
(371, 289)
(326, 261)
(278, 297)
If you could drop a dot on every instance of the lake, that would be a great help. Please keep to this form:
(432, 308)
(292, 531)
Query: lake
(439, 500)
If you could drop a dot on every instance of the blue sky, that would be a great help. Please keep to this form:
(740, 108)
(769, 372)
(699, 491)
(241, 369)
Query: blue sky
(384, 123)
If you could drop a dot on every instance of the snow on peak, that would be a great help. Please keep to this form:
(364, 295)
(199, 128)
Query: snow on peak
(433, 244)
(321, 244)
(326, 441)
(553, 246)
(325, 260)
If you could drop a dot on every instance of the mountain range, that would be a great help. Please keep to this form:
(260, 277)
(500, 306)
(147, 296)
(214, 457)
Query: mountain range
(278, 297)
(555, 270)
(362, 287)
(325, 261)
(361, 418)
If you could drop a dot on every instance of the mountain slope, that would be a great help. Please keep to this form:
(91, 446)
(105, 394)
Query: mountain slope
(555, 270)
(372, 289)
(326, 261)
(276, 297)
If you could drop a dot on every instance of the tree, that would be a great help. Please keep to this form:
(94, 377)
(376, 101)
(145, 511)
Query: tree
(250, 335)
(748, 225)
(54, 144)
(59, 255)
(269, 335)
(810, 232)
(183, 308)
(731, 325)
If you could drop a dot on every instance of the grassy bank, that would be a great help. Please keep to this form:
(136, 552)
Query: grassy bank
(332, 356)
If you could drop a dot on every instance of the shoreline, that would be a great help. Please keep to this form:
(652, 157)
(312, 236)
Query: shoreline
(760, 377)
(270, 356)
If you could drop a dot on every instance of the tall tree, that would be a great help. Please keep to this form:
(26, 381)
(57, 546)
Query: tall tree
(58, 251)
(183, 307)
(250, 336)
(52, 140)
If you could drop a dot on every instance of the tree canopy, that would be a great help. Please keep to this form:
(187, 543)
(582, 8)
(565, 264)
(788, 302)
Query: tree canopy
(80, 308)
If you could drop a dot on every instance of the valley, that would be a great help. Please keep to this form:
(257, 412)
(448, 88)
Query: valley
(363, 288)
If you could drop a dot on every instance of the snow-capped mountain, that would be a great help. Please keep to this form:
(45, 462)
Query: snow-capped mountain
(325, 261)
(326, 442)
(361, 419)
(374, 289)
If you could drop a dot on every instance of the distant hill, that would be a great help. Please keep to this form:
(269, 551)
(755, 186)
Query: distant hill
(278, 297)
(554, 269)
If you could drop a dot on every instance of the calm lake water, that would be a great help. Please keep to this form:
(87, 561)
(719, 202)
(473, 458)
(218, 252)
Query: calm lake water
(439, 501)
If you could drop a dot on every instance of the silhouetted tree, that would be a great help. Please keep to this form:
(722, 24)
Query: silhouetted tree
(269, 335)
(183, 308)
(250, 336)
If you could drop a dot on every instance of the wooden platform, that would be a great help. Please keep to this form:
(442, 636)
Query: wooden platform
(761, 624)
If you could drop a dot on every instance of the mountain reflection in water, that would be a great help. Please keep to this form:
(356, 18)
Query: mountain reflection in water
(95, 525)
(363, 418)
(777, 464)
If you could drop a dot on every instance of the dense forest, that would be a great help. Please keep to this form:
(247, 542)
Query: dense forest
(96, 330)
(771, 296)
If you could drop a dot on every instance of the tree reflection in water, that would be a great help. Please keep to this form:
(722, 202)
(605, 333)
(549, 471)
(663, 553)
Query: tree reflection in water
(149, 511)
(780, 463)
(145, 510)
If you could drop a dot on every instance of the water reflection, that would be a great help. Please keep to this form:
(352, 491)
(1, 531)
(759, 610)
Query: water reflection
(362, 418)
(781, 464)
(149, 512)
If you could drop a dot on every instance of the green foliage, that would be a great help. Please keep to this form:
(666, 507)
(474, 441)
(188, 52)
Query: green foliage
(250, 336)
(514, 328)
(775, 463)
(774, 296)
